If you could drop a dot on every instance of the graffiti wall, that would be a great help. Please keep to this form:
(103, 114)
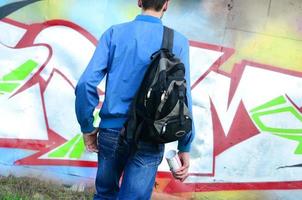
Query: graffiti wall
(246, 75)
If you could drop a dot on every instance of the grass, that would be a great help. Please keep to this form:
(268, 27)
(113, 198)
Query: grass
(12, 188)
(25, 188)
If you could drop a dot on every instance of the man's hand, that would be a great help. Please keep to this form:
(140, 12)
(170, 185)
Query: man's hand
(90, 141)
(182, 173)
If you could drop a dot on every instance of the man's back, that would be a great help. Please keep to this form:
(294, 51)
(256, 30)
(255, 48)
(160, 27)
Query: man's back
(128, 48)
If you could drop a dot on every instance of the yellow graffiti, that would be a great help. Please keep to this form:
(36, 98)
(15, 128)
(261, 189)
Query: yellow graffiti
(234, 195)
(130, 12)
(43, 11)
(280, 49)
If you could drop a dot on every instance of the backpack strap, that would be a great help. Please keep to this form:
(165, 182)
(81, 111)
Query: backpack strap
(168, 37)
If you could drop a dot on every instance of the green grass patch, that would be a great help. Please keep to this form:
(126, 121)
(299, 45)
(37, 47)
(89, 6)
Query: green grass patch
(12, 188)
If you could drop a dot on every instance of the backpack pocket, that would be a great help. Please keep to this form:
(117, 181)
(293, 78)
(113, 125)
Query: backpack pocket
(171, 127)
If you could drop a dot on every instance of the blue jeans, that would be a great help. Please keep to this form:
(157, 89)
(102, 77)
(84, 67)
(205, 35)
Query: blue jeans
(116, 157)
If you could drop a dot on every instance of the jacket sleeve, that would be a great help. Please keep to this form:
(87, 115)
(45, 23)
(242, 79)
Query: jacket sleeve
(86, 93)
(184, 143)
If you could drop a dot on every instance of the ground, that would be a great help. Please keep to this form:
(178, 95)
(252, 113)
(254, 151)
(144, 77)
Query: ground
(24, 188)
(12, 188)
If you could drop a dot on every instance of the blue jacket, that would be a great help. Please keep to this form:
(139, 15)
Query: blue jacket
(123, 54)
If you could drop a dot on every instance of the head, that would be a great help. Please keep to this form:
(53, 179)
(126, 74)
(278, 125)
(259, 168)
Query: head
(154, 6)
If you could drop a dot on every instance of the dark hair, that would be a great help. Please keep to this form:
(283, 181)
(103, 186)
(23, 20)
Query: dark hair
(156, 5)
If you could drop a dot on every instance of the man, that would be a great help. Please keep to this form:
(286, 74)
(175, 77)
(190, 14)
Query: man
(123, 54)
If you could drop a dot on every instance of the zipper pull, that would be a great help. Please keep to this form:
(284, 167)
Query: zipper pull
(149, 93)
(164, 128)
(163, 95)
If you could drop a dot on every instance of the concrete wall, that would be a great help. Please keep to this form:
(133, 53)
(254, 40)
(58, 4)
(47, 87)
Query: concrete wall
(246, 74)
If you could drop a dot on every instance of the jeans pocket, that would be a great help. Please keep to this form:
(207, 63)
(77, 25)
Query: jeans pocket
(107, 142)
(149, 155)
(123, 147)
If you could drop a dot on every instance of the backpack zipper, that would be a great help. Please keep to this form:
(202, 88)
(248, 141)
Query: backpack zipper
(149, 93)
(169, 122)
(148, 96)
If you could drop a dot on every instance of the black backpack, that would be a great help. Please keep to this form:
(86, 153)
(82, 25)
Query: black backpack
(159, 112)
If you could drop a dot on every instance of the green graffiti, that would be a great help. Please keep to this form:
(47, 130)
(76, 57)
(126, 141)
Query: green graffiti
(8, 87)
(10, 81)
(63, 150)
(78, 149)
(274, 102)
(288, 133)
(75, 147)
(262, 126)
(297, 138)
(21, 72)
(97, 119)
(299, 148)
